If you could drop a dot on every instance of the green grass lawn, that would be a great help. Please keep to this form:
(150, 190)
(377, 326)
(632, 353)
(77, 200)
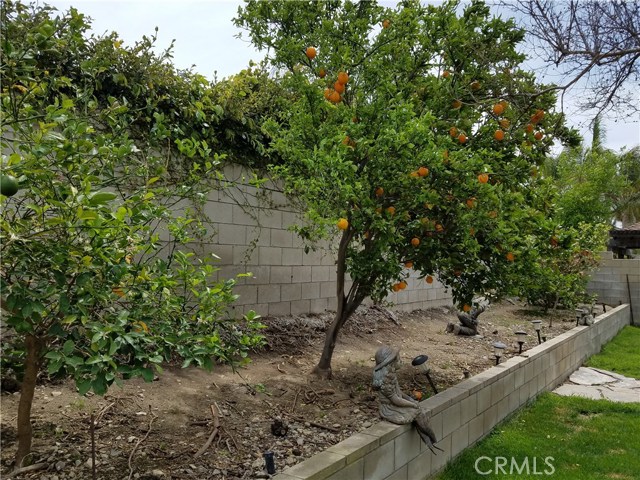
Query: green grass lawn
(620, 355)
(587, 440)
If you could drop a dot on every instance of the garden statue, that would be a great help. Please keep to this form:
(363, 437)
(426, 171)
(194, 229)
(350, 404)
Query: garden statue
(468, 322)
(396, 407)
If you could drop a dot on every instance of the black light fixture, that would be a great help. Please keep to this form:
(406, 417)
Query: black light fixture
(420, 364)
(498, 350)
(521, 336)
(537, 324)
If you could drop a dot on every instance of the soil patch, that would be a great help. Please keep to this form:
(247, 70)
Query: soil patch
(153, 430)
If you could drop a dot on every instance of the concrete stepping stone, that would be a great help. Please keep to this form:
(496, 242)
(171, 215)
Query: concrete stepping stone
(585, 391)
(589, 376)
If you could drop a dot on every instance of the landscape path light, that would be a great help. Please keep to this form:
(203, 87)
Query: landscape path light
(498, 350)
(537, 324)
(521, 337)
(420, 364)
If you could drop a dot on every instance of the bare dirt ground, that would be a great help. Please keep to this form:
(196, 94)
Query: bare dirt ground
(154, 430)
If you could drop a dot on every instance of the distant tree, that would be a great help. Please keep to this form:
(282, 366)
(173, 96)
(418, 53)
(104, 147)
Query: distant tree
(595, 42)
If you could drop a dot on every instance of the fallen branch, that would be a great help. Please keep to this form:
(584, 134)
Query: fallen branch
(153, 417)
(295, 400)
(214, 432)
(31, 468)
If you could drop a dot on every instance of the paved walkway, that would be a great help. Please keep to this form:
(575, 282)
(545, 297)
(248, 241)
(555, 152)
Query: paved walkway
(598, 384)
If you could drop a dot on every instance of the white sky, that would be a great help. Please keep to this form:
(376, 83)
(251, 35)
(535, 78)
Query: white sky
(205, 38)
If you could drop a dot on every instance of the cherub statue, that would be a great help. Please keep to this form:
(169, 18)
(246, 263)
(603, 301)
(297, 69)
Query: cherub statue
(468, 322)
(395, 406)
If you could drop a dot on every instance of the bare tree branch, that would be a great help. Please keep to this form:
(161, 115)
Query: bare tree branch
(596, 43)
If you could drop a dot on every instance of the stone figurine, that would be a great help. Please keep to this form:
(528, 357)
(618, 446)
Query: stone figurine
(395, 406)
(468, 322)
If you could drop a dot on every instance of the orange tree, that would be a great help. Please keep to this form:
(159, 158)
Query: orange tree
(418, 128)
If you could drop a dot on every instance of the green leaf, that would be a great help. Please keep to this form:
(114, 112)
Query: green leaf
(100, 198)
(68, 347)
(83, 386)
(147, 374)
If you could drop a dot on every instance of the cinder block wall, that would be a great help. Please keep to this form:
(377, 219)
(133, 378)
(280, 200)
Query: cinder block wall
(609, 283)
(463, 414)
(252, 234)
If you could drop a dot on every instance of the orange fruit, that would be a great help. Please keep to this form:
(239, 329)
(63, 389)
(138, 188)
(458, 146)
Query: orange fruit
(475, 85)
(510, 257)
(327, 93)
(453, 131)
(504, 124)
(417, 394)
(537, 116)
(338, 87)
(446, 74)
(379, 191)
(342, 224)
(538, 136)
(483, 178)
(529, 128)
(311, 53)
(471, 202)
(391, 210)
(118, 291)
(343, 77)
(429, 279)
(408, 264)
(423, 171)
(402, 285)
(498, 135)
(498, 109)
(466, 308)
(322, 73)
(439, 228)
(415, 241)
(386, 23)
(493, 214)
(335, 97)
(395, 287)
(462, 138)
(414, 174)
(456, 104)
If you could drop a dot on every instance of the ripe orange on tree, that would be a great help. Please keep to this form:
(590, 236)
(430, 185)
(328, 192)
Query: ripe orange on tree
(379, 191)
(456, 104)
(386, 23)
(429, 279)
(343, 224)
(504, 123)
(510, 257)
(466, 308)
(408, 264)
(439, 228)
(483, 178)
(322, 73)
(343, 77)
(475, 85)
(446, 74)
(462, 138)
(471, 202)
(423, 171)
(338, 87)
(335, 97)
(453, 131)
(415, 241)
(391, 210)
(327, 93)
(498, 109)
(498, 135)
(395, 287)
(538, 136)
(311, 53)
(402, 285)
(537, 116)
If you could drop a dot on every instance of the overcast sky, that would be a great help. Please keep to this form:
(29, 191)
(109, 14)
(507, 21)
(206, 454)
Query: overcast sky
(205, 39)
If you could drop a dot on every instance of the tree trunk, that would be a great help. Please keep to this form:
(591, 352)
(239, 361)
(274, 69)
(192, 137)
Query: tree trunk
(33, 347)
(346, 305)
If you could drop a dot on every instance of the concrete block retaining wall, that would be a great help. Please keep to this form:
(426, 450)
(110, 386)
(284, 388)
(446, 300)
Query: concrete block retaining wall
(463, 414)
(609, 283)
(252, 234)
